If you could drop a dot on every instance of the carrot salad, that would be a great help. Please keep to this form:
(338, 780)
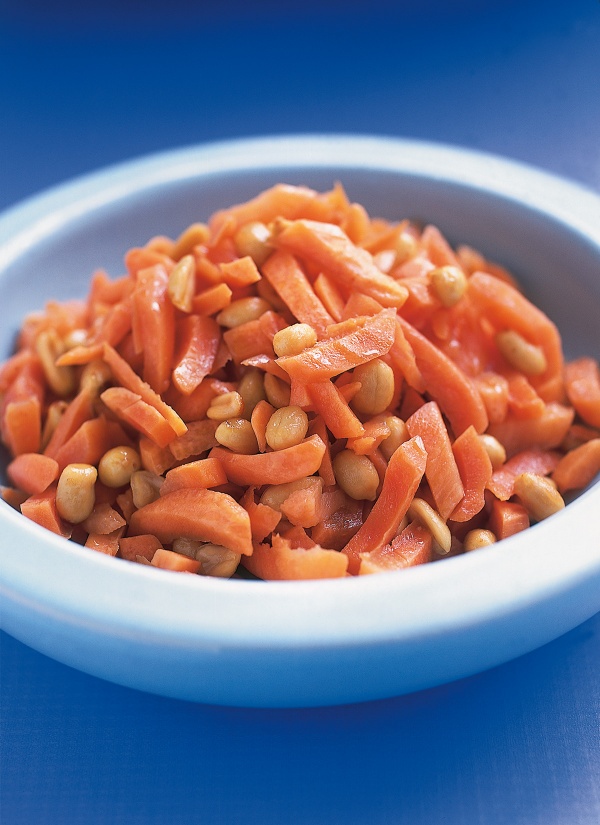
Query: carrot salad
(296, 390)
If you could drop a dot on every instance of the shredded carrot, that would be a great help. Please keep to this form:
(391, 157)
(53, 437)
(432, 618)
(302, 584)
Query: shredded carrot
(399, 390)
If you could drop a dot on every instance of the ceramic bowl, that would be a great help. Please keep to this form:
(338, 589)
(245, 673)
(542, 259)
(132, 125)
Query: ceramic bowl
(305, 643)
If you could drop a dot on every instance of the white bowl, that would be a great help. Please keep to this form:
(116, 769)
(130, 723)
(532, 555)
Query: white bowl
(305, 643)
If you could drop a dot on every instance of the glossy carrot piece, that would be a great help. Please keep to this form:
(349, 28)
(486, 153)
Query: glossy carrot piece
(261, 415)
(442, 472)
(318, 427)
(168, 560)
(154, 458)
(336, 529)
(88, 444)
(32, 472)
(534, 460)
(371, 338)
(131, 547)
(329, 402)
(475, 469)
(282, 561)
(277, 467)
(493, 389)
(200, 515)
(286, 276)
(507, 518)
(545, 432)
(199, 438)
(107, 543)
(329, 295)
(582, 383)
(263, 519)
(403, 476)
(203, 474)
(212, 300)
(413, 546)
(578, 468)
(447, 384)
(80, 409)
(41, 508)
(329, 248)
(154, 326)
(198, 343)
(523, 400)
(403, 358)
(103, 520)
(303, 508)
(376, 430)
(140, 415)
(240, 272)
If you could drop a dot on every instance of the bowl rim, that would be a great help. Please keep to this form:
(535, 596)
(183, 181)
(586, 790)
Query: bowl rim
(427, 600)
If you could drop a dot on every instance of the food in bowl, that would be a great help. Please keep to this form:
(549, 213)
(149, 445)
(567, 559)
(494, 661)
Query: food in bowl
(296, 390)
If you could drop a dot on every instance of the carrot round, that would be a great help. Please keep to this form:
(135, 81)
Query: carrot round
(404, 473)
(277, 467)
(201, 515)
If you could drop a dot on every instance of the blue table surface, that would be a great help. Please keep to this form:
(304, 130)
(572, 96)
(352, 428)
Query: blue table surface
(83, 85)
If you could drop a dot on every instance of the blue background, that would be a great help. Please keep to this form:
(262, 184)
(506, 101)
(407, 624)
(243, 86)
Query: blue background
(82, 86)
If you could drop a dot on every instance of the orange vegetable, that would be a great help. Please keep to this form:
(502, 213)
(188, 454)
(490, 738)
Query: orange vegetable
(534, 460)
(168, 560)
(199, 339)
(201, 515)
(404, 473)
(582, 384)
(154, 325)
(475, 470)
(142, 416)
(204, 473)
(107, 543)
(282, 561)
(131, 547)
(263, 519)
(507, 518)
(413, 546)
(578, 468)
(372, 338)
(212, 300)
(441, 472)
(284, 273)
(328, 402)
(41, 508)
(32, 472)
(278, 467)
(546, 432)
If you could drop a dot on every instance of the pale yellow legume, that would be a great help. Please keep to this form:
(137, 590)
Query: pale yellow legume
(182, 283)
(449, 284)
(145, 487)
(75, 492)
(377, 387)
(227, 405)
(217, 561)
(253, 239)
(275, 494)
(277, 391)
(94, 376)
(237, 434)
(252, 390)
(242, 311)
(538, 495)
(429, 518)
(356, 475)
(494, 449)
(49, 347)
(55, 412)
(117, 466)
(478, 538)
(520, 353)
(294, 339)
(398, 435)
(286, 428)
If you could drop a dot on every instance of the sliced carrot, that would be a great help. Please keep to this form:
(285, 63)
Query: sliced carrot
(140, 258)
(198, 343)
(327, 246)
(263, 519)
(298, 537)
(89, 443)
(523, 400)
(200, 515)
(33, 473)
(260, 417)
(318, 427)
(154, 458)
(404, 473)
(402, 356)
(372, 338)
(253, 337)
(41, 508)
(80, 355)
(21, 426)
(507, 518)
(131, 547)
(442, 472)
(103, 520)
(277, 467)
(329, 295)
(578, 468)
(154, 325)
(493, 389)
(303, 508)
(13, 497)
(107, 543)
(203, 474)
(547, 431)
(283, 561)
(582, 383)
(447, 384)
(193, 407)
(413, 546)
(140, 415)
(437, 247)
(336, 529)
(475, 470)
(126, 377)
(116, 324)
(285, 275)
(359, 304)
(211, 300)
(199, 438)
(79, 410)
(240, 272)
(505, 307)
(376, 430)
(329, 402)
(168, 560)
(532, 460)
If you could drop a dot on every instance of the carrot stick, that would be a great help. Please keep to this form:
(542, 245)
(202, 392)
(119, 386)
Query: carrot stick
(413, 546)
(534, 460)
(442, 472)
(261, 415)
(263, 519)
(578, 468)
(200, 515)
(447, 384)
(507, 518)
(582, 384)
(318, 427)
(103, 520)
(240, 272)
(154, 323)
(282, 561)
(79, 410)
(131, 547)
(329, 402)
(547, 431)
(285, 275)
(376, 430)
(329, 295)
(277, 467)
(198, 343)
(168, 560)
(404, 473)
(41, 508)
(88, 444)
(371, 339)
(140, 415)
(33, 473)
(327, 246)
(201, 474)
(475, 470)
(199, 438)
(212, 300)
